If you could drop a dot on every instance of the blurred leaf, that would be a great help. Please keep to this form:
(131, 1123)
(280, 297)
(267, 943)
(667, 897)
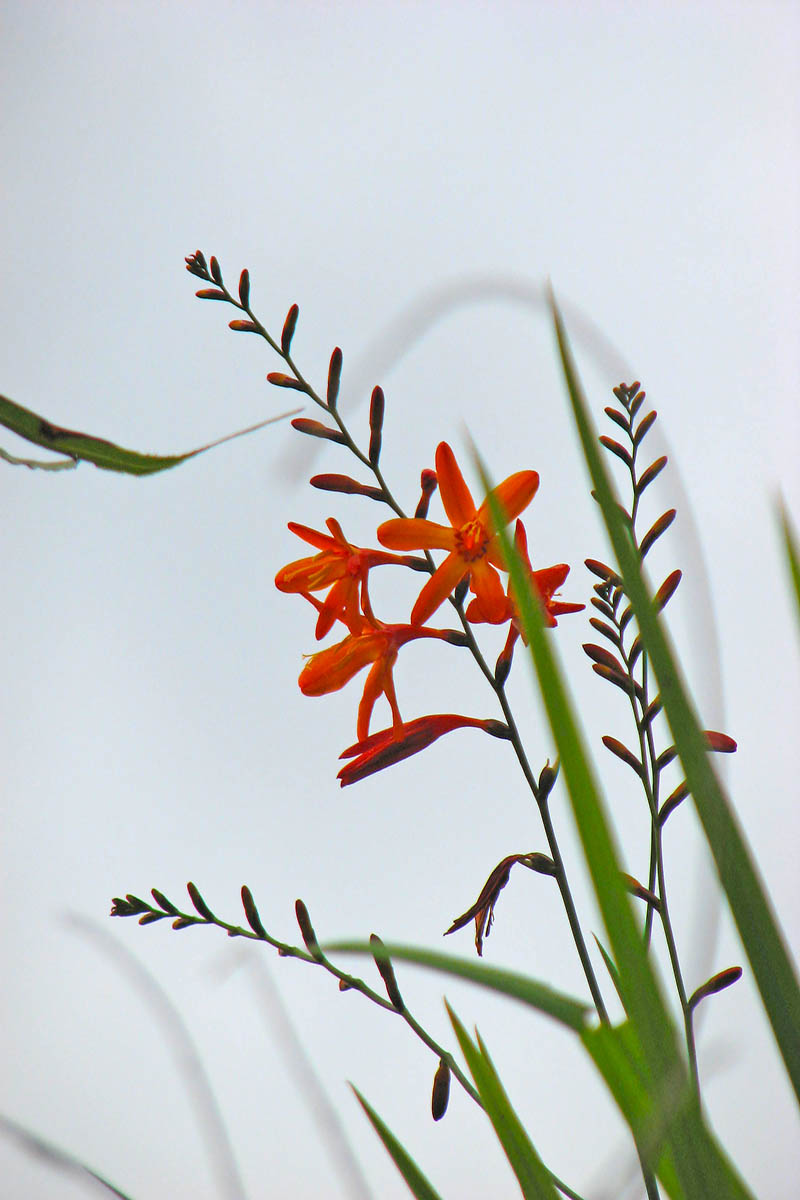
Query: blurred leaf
(418, 1184)
(534, 1179)
(562, 1008)
(106, 455)
(757, 925)
(792, 553)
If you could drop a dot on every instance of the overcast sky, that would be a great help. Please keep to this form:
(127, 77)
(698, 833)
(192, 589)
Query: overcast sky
(410, 175)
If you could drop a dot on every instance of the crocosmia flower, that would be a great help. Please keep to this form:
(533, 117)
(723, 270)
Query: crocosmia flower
(471, 538)
(339, 566)
(368, 643)
(392, 745)
(546, 581)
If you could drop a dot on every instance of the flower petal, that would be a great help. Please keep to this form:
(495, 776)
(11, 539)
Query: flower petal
(414, 533)
(314, 537)
(485, 583)
(456, 497)
(330, 669)
(513, 495)
(388, 747)
(438, 588)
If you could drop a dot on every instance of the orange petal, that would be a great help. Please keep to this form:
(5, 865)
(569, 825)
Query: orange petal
(335, 603)
(513, 495)
(414, 533)
(331, 669)
(549, 579)
(486, 585)
(372, 689)
(456, 497)
(313, 536)
(438, 588)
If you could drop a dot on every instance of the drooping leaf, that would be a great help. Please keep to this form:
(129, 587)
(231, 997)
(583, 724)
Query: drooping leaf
(418, 1185)
(104, 454)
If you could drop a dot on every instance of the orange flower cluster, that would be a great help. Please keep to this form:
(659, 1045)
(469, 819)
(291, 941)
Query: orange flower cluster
(341, 570)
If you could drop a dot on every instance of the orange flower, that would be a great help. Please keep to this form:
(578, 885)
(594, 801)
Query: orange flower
(471, 538)
(390, 745)
(330, 669)
(547, 581)
(341, 567)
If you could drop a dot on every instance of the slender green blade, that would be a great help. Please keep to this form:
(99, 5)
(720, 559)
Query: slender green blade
(562, 1008)
(533, 1177)
(792, 554)
(417, 1183)
(106, 455)
(702, 1169)
(757, 924)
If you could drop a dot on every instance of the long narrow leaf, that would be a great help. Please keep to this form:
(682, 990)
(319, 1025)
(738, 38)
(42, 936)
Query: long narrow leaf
(562, 1008)
(792, 554)
(106, 455)
(417, 1183)
(533, 1177)
(758, 926)
(702, 1169)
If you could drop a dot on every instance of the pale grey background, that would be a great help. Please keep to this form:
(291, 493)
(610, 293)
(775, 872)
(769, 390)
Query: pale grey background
(356, 158)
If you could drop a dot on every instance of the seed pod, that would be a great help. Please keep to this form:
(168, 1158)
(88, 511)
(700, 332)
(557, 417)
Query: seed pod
(383, 963)
(376, 410)
(289, 327)
(251, 912)
(307, 930)
(244, 288)
(441, 1091)
(334, 375)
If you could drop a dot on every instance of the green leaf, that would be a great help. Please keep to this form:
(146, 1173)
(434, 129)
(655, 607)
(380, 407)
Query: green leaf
(792, 553)
(562, 1008)
(418, 1184)
(534, 1179)
(702, 1168)
(84, 447)
(758, 927)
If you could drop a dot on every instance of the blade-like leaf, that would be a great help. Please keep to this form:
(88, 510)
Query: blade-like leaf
(561, 1007)
(106, 455)
(533, 1177)
(417, 1183)
(792, 553)
(758, 927)
(702, 1169)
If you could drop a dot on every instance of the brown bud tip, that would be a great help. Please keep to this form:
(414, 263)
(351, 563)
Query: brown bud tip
(289, 326)
(279, 379)
(334, 376)
(717, 983)
(547, 779)
(441, 1091)
(719, 742)
(307, 930)
(383, 963)
(244, 288)
(198, 901)
(251, 912)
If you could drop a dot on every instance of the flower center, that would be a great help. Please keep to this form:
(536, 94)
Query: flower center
(472, 540)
